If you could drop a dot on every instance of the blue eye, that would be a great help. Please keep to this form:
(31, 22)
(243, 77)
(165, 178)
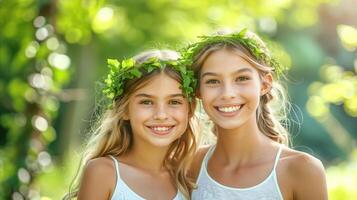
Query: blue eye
(211, 81)
(146, 102)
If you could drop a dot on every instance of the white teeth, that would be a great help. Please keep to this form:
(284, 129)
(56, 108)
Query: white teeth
(229, 109)
(161, 128)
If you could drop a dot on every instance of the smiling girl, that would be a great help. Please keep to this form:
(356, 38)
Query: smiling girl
(237, 83)
(145, 140)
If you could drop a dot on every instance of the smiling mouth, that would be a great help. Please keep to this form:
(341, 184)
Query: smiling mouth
(161, 130)
(229, 109)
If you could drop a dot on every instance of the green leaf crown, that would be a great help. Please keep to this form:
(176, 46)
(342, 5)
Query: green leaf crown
(246, 38)
(121, 72)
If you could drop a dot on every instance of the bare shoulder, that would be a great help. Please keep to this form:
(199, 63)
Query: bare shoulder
(102, 166)
(301, 163)
(197, 162)
(306, 174)
(99, 170)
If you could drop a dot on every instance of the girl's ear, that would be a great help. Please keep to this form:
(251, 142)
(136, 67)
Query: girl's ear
(267, 82)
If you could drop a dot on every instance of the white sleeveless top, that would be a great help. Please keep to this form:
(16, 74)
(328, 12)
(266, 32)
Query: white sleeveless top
(209, 189)
(123, 192)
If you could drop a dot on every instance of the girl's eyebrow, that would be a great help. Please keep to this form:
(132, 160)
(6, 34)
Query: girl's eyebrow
(209, 74)
(246, 69)
(144, 95)
(151, 96)
(177, 95)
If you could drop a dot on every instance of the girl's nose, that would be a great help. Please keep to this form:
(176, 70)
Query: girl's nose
(160, 113)
(228, 92)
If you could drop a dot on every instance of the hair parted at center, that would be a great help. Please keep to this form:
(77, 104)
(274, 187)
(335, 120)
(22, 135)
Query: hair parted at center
(113, 135)
(271, 120)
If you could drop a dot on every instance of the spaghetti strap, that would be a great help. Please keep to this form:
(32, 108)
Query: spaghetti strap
(116, 166)
(277, 156)
(204, 162)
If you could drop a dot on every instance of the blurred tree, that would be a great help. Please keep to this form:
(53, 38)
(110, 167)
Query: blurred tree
(338, 89)
(34, 68)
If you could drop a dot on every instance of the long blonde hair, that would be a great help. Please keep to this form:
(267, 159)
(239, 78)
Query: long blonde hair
(113, 134)
(273, 106)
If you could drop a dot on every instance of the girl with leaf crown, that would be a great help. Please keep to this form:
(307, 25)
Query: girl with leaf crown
(145, 141)
(251, 160)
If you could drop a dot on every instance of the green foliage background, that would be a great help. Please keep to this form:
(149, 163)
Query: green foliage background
(53, 51)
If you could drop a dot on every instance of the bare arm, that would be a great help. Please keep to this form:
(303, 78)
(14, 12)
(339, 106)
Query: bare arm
(98, 180)
(310, 179)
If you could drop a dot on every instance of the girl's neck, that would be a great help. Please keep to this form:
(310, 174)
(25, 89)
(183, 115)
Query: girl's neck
(242, 144)
(146, 157)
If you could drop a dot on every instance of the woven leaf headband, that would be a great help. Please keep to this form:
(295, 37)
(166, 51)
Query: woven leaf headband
(251, 42)
(121, 72)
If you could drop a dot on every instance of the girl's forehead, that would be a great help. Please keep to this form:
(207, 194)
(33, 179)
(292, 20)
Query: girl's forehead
(161, 84)
(225, 61)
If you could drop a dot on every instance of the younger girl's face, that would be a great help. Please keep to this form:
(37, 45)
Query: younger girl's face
(158, 112)
(230, 89)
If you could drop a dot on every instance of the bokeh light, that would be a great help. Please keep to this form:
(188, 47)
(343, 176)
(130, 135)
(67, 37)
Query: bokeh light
(40, 81)
(39, 123)
(44, 159)
(317, 107)
(42, 33)
(39, 21)
(103, 20)
(32, 49)
(60, 61)
(348, 36)
(23, 175)
(52, 43)
(17, 196)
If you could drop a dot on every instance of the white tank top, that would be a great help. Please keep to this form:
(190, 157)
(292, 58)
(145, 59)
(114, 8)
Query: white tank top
(209, 189)
(123, 192)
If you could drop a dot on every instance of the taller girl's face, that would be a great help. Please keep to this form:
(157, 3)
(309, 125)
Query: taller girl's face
(230, 89)
(158, 112)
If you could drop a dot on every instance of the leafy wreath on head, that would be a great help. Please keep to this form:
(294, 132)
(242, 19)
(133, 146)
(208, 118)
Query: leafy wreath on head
(250, 42)
(121, 72)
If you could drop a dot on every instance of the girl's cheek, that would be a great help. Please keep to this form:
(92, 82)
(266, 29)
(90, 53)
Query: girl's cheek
(207, 93)
(180, 112)
(143, 111)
